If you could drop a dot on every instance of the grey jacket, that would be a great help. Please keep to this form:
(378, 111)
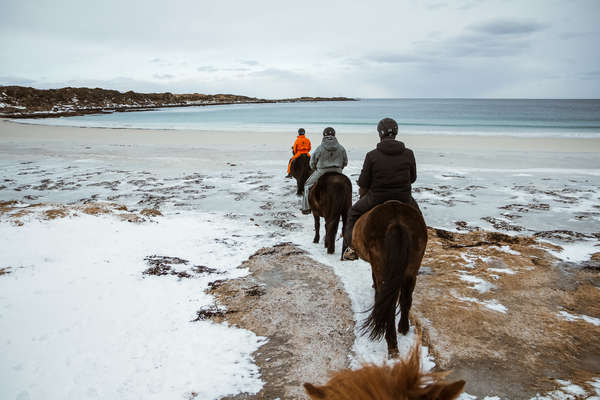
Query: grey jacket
(329, 154)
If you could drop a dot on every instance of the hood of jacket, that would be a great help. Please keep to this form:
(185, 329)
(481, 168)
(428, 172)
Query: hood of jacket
(330, 143)
(391, 147)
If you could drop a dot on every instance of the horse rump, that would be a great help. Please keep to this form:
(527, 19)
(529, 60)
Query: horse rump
(331, 198)
(383, 311)
(300, 169)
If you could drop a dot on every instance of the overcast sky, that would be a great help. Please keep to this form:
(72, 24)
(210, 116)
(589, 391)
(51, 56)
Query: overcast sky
(278, 48)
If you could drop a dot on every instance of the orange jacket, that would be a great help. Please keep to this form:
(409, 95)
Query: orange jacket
(301, 145)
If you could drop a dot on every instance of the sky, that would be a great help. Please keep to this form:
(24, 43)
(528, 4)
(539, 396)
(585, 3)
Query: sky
(278, 49)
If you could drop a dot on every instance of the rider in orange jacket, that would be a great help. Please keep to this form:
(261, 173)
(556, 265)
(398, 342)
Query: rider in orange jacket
(301, 146)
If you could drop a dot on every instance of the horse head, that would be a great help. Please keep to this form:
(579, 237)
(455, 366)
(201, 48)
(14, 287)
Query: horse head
(402, 380)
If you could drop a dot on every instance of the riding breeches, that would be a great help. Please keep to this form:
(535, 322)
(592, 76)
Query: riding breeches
(369, 201)
(312, 179)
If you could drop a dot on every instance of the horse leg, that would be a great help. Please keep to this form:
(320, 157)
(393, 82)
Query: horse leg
(390, 334)
(331, 227)
(405, 303)
(317, 227)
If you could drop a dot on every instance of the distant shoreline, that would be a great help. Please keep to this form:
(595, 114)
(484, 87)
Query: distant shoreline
(18, 102)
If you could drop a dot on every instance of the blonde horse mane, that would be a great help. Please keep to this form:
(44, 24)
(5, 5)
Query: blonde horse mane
(402, 380)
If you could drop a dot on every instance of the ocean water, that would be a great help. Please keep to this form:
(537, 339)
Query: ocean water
(503, 117)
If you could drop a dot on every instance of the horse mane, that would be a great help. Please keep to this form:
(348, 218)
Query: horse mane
(401, 380)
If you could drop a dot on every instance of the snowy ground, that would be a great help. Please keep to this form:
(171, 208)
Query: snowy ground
(80, 319)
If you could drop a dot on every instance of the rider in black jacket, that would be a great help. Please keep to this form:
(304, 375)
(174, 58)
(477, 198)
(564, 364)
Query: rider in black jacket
(387, 174)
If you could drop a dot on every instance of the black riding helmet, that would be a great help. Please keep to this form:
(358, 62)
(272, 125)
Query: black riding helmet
(301, 131)
(387, 127)
(329, 131)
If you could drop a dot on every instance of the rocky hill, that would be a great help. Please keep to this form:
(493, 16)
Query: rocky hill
(27, 102)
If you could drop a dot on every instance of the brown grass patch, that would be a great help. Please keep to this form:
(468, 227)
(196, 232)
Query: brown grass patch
(150, 212)
(95, 210)
(56, 213)
(530, 345)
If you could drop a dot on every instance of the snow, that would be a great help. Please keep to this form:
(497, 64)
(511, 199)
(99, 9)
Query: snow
(507, 271)
(576, 251)
(507, 249)
(490, 304)
(356, 278)
(80, 320)
(571, 317)
(567, 391)
(480, 285)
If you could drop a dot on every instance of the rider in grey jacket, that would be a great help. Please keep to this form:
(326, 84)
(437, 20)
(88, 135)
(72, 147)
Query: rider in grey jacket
(330, 156)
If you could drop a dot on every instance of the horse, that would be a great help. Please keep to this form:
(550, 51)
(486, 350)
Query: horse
(300, 170)
(330, 198)
(391, 237)
(402, 380)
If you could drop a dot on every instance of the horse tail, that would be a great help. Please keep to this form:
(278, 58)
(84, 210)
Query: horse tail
(386, 296)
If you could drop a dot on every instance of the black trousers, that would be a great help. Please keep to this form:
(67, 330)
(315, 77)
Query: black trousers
(369, 201)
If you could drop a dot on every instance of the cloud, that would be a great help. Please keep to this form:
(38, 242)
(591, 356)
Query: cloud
(155, 60)
(276, 73)
(578, 35)
(507, 27)
(163, 76)
(590, 75)
(398, 58)
(207, 68)
(251, 63)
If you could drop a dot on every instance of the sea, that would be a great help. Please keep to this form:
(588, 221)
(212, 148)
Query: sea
(490, 117)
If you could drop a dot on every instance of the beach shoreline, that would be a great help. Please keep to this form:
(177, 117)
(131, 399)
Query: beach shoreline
(15, 131)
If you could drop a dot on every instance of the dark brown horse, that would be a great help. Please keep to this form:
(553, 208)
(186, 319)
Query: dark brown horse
(330, 198)
(402, 381)
(392, 237)
(300, 170)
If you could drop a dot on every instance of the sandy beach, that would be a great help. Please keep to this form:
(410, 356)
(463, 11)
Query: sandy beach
(87, 212)
(31, 132)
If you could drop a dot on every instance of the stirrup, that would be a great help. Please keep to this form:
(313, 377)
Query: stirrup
(306, 212)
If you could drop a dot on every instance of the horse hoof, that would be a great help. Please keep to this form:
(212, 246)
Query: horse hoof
(403, 329)
(330, 251)
(393, 354)
(316, 240)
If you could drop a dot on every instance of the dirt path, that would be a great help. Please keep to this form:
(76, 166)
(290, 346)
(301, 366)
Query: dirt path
(301, 307)
(495, 309)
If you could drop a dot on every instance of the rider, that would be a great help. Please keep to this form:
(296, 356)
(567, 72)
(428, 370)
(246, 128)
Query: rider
(387, 174)
(301, 146)
(330, 156)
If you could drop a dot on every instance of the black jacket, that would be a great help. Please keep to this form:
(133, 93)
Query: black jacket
(390, 168)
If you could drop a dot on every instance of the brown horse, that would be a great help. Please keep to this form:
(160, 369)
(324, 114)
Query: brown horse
(401, 381)
(330, 198)
(300, 170)
(392, 237)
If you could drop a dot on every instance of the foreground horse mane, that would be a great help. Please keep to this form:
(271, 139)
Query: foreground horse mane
(402, 380)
